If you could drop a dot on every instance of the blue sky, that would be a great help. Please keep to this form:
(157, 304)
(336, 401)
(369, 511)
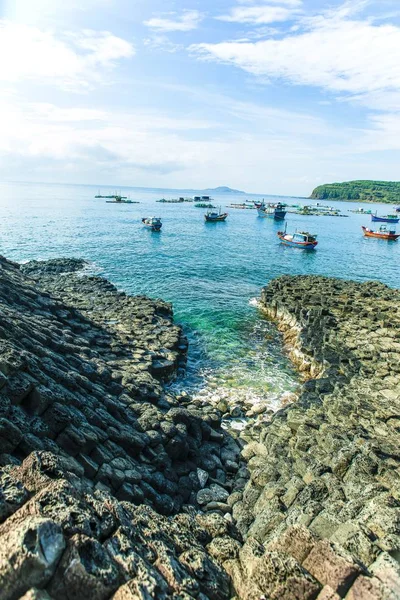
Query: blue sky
(272, 96)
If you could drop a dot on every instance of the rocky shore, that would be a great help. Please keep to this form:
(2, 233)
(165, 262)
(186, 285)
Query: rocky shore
(112, 487)
(102, 473)
(324, 488)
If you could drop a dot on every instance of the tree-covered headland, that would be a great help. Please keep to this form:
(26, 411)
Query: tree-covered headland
(362, 191)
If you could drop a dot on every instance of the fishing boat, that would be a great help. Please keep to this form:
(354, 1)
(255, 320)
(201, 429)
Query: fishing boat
(273, 211)
(382, 234)
(153, 223)
(213, 217)
(385, 219)
(299, 239)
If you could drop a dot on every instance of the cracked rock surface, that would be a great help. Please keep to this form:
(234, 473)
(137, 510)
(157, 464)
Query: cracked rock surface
(112, 488)
(324, 485)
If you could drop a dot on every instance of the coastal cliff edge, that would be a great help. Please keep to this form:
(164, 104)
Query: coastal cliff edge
(111, 487)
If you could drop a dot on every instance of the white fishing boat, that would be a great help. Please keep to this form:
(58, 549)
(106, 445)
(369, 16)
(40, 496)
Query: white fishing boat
(153, 223)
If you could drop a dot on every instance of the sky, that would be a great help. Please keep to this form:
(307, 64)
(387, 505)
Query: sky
(267, 96)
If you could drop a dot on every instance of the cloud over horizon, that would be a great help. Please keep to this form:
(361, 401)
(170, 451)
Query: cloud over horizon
(260, 94)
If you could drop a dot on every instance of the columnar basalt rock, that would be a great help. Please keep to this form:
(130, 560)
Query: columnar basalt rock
(113, 488)
(86, 385)
(66, 542)
(324, 486)
(134, 335)
(92, 449)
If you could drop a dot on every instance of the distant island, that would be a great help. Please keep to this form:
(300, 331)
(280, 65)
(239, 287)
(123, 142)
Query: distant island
(223, 190)
(387, 192)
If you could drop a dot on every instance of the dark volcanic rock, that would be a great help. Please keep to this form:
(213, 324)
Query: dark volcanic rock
(327, 466)
(85, 435)
(98, 463)
(54, 266)
(79, 383)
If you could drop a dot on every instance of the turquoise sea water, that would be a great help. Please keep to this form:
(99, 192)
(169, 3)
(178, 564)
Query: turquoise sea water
(210, 272)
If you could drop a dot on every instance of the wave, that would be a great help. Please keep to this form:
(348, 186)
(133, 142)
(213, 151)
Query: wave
(254, 302)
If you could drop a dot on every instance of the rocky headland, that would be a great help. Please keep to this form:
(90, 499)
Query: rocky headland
(113, 487)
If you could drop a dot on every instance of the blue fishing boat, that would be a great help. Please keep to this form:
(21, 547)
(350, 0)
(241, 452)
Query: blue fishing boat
(385, 219)
(273, 211)
(213, 217)
(299, 239)
(153, 223)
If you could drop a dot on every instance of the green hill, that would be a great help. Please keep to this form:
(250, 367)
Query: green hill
(362, 191)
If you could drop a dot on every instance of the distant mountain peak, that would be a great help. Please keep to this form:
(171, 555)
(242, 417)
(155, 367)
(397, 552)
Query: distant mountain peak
(223, 189)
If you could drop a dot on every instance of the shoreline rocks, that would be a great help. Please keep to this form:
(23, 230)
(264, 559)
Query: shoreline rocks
(87, 385)
(112, 487)
(100, 467)
(324, 486)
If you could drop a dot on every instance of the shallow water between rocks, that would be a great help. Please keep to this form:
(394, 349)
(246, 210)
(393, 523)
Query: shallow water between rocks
(212, 273)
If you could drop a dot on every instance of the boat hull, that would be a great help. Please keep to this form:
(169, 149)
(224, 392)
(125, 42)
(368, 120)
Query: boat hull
(376, 219)
(215, 219)
(152, 223)
(277, 215)
(380, 235)
(301, 245)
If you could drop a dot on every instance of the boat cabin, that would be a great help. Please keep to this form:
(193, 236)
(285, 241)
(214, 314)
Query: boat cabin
(384, 229)
(304, 237)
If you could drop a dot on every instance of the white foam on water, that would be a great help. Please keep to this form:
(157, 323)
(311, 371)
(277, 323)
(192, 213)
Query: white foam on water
(254, 302)
(256, 378)
(90, 268)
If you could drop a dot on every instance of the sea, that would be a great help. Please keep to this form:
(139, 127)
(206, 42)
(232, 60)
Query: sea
(212, 273)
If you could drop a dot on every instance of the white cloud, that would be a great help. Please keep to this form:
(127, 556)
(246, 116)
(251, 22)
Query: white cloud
(259, 15)
(55, 143)
(69, 60)
(74, 134)
(189, 20)
(161, 42)
(332, 51)
(52, 141)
